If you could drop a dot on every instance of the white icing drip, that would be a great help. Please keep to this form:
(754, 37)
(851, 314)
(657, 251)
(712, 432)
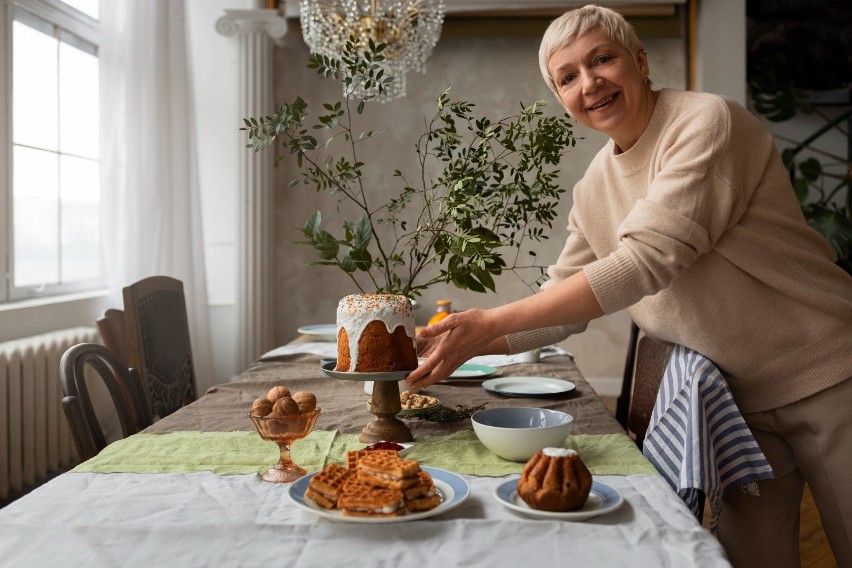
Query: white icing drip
(558, 452)
(355, 312)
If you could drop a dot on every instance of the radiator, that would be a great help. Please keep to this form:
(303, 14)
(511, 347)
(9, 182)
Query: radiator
(34, 437)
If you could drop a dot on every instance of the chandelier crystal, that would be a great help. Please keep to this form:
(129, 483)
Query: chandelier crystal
(409, 28)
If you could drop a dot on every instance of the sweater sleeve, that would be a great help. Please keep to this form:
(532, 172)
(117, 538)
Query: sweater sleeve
(542, 337)
(686, 210)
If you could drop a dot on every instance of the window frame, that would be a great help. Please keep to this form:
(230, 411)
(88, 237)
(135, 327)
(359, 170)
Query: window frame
(78, 30)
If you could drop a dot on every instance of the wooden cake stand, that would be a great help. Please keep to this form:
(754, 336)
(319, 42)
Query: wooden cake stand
(385, 405)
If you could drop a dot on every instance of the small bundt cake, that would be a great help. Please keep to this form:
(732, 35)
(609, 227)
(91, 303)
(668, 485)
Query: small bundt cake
(375, 333)
(555, 479)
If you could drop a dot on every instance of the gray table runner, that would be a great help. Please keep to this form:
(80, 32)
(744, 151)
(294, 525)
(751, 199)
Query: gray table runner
(224, 407)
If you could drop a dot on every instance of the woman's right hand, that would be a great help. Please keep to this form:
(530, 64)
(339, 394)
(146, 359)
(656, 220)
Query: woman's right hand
(427, 345)
(450, 343)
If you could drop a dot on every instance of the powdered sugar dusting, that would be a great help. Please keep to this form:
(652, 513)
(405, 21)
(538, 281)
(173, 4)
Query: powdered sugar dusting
(558, 452)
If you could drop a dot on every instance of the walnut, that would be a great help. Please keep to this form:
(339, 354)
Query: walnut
(277, 392)
(285, 406)
(305, 400)
(261, 407)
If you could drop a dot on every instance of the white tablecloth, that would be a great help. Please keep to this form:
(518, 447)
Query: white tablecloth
(202, 519)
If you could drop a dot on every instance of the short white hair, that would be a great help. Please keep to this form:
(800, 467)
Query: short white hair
(577, 23)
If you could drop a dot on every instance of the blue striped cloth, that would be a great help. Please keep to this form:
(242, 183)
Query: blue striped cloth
(697, 438)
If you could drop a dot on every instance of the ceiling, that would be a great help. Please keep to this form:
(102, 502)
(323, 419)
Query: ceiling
(463, 8)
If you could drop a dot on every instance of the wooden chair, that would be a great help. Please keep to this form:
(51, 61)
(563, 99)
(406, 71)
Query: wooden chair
(652, 357)
(113, 332)
(643, 373)
(158, 342)
(622, 404)
(125, 389)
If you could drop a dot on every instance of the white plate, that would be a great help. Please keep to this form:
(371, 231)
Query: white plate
(602, 499)
(322, 332)
(452, 488)
(473, 371)
(528, 386)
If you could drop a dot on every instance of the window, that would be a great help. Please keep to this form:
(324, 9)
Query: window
(52, 242)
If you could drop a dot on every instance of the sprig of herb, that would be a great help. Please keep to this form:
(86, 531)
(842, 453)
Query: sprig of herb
(446, 414)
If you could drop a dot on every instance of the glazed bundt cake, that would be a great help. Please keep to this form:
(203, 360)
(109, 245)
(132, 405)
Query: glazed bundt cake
(555, 479)
(375, 333)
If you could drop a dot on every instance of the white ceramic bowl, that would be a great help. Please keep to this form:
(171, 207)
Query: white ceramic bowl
(515, 434)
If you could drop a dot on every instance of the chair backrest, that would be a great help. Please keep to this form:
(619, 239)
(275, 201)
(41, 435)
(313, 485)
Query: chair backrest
(125, 389)
(622, 405)
(158, 342)
(651, 359)
(113, 332)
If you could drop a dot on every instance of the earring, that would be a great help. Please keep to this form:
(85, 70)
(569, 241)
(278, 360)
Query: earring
(645, 80)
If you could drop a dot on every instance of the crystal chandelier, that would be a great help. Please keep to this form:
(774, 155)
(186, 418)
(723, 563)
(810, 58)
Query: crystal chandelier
(409, 28)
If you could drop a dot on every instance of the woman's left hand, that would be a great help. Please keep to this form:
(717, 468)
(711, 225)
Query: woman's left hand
(449, 344)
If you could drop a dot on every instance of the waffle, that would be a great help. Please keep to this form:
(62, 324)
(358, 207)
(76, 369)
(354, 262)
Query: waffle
(329, 484)
(365, 500)
(388, 471)
(422, 488)
(353, 456)
(423, 503)
(319, 499)
(388, 464)
(422, 496)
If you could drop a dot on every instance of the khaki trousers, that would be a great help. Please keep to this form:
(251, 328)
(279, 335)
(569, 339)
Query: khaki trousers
(807, 441)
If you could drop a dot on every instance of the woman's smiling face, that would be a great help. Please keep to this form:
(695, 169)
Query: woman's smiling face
(601, 85)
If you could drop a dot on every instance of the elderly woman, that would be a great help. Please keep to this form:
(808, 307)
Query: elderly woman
(687, 219)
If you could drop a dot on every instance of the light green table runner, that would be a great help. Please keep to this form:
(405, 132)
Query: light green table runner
(245, 452)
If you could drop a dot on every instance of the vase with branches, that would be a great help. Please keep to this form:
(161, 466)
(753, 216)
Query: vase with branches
(484, 189)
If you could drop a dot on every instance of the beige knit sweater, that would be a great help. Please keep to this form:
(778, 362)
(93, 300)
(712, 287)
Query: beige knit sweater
(697, 232)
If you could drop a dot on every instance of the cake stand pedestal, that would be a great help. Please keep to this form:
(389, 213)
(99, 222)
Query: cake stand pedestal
(386, 406)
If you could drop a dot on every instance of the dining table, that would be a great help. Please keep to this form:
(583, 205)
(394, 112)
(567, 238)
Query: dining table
(187, 491)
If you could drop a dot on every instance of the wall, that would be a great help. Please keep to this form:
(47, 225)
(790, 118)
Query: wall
(721, 48)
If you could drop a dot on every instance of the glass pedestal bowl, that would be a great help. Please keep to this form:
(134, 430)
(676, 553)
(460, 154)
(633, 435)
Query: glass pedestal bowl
(284, 431)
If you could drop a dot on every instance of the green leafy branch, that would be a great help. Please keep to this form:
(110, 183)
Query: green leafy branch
(485, 190)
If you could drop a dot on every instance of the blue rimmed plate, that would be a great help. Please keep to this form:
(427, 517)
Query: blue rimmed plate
(452, 488)
(321, 332)
(328, 369)
(602, 499)
(473, 371)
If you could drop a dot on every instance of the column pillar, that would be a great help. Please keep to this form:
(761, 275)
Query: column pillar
(255, 30)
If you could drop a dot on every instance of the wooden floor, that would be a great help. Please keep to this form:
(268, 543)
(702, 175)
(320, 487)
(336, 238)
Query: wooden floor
(814, 550)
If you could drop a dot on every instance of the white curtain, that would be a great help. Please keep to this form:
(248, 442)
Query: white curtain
(151, 196)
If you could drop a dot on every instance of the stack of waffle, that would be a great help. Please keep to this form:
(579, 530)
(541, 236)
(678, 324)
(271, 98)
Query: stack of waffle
(375, 483)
